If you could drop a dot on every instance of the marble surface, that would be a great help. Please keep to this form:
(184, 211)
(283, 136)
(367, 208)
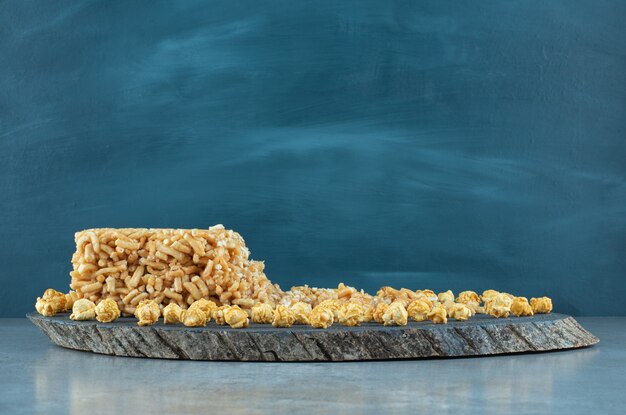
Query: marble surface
(39, 377)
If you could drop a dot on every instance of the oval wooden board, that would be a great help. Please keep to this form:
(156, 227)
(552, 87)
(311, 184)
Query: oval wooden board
(480, 336)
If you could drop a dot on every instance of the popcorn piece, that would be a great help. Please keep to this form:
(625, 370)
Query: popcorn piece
(351, 314)
(322, 317)
(236, 318)
(487, 294)
(194, 317)
(541, 305)
(446, 297)
(51, 303)
(107, 311)
(470, 299)
(283, 317)
(430, 294)
(459, 311)
(57, 298)
(147, 312)
(218, 314)
(172, 314)
(379, 311)
(302, 312)
(262, 313)
(499, 299)
(499, 311)
(334, 306)
(70, 298)
(438, 314)
(368, 313)
(362, 298)
(448, 306)
(345, 292)
(83, 309)
(474, 307)
(404, 295)
(427, 300)
(45, 307)
(204, 306)
(467, 297)
(499, 305)
(520, 307)
(395, 315)
(418, 309)
(313, 296)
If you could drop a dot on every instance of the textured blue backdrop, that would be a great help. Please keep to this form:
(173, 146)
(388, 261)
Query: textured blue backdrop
(423, 144)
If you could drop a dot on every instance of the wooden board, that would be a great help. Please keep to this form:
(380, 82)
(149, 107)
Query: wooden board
(482, 335)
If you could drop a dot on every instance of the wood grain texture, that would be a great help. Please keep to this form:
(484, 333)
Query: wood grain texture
(482, 335)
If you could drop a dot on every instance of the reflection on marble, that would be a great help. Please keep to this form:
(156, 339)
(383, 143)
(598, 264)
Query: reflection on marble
(51, 379)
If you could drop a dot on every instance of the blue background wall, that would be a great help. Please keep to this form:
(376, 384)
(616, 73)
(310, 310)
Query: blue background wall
(423, 144)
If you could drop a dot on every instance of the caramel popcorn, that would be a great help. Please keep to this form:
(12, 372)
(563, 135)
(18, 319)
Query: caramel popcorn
(172, 314)
(69, 299)
(345, 292)
(379, 311)
(499, 311)
(283, 317)
(430, 294)
(218, 314)
(368, 313)
(302, 312)
(310, 295)
(418, 309)
(333, 305)
(467, 297)
(51, 303)
(459, 311)
(147, 312)
(363, 298)
(427, 300)
(351, 314)
(474, 307)
(205, 306)
(446, 297)
(404, 295)
(541, 305)
(322, 317)
(235, 317)
(194, 317)
(395, 315)
(107, 311)
(502, 299)
(487, 294)
(520, 307)
(499, 305)
(83, 309)
(262, 313)
(438, 314)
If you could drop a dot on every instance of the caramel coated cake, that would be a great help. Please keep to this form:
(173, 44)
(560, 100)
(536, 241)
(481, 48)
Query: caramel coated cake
(168, 266)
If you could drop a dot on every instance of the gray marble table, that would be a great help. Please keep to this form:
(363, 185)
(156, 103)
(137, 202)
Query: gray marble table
(39, 377)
